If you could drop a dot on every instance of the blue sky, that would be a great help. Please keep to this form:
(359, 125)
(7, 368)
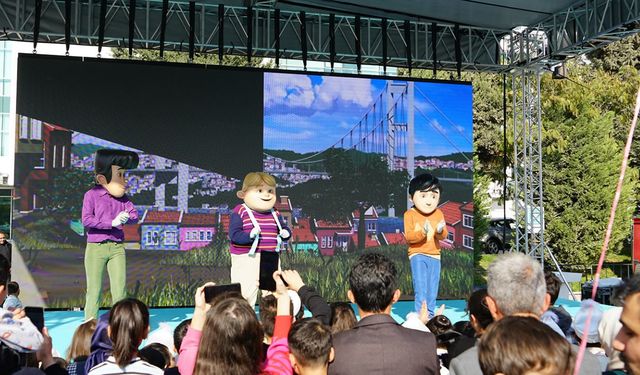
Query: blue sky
(81, 138)
(306, 113)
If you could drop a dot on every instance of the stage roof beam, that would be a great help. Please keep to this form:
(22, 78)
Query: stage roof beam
(575, 29)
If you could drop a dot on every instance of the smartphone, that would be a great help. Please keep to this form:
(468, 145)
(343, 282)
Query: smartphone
(269, 261)
(212, 291)
(36, 315)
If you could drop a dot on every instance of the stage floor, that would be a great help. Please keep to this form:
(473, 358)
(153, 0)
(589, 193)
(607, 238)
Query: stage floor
(62, 324)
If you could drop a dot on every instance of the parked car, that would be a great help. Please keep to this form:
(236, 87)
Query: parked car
(500, 235)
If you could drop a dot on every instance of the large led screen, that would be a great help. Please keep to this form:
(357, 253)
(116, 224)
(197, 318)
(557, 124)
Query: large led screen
(341, 149)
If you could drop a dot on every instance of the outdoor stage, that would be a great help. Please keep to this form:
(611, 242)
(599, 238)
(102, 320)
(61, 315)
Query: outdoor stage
(62, 324)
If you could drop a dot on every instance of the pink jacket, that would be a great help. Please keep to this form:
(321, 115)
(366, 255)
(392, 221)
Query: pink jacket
(276, 363)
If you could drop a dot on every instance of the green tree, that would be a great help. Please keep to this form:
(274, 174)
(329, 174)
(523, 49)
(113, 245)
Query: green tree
(625, 52)
(581, 164)
(183, 57)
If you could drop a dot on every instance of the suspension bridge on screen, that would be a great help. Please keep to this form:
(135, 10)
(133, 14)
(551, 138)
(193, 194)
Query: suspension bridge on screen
(387, 128)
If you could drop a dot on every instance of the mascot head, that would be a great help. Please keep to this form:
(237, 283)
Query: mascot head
(110, 166)
(258, 191)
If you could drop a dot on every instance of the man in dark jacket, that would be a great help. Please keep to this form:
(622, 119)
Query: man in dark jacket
(5, 247)
(377, 344)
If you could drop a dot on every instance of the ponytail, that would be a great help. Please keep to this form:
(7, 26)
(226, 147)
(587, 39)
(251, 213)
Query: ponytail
(129, 323)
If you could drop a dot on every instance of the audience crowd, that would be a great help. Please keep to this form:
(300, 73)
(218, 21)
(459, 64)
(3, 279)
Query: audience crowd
(514, 327)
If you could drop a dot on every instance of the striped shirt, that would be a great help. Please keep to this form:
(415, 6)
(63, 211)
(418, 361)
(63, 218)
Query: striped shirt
(136, 367)
(240, 227)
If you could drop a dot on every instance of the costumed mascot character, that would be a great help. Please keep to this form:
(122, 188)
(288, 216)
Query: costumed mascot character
(424, 227)
(256, 231)
(105, 209)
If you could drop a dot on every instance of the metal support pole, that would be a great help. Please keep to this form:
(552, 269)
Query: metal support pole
(527, 129)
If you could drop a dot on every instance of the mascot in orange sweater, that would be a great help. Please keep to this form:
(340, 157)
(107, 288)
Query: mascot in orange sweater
(424, 227)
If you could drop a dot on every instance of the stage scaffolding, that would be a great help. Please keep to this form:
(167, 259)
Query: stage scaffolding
(265, 28)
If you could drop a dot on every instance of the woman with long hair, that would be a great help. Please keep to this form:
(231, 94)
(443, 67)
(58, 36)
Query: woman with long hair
(128, 326)
(80, 347)
(342, 317)
(225, 337)
(101, 345)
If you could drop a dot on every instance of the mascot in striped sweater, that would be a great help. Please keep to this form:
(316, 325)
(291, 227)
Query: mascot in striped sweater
(257, 232)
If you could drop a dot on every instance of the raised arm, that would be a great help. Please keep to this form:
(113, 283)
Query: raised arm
(311, 299)
(277, 361)
(191, 341)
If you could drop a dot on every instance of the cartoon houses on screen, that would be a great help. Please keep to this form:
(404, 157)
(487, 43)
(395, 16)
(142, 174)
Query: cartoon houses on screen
(197, 230)
(283, 205)
(159, 230)
(370, 220)
(179, 230)
(42, 151)
(302, 238)
(459, 218)
(333, 236)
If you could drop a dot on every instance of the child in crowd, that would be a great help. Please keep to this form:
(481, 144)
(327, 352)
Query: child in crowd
(342, 317)
(80, 348)
(480, 318)
(12, 301)
(440, 326)
(158, 355)
(225, 337)
(556, 314)
(310, 346)
(178, 336)
(128, 326)
(424, 228)
(179, 332)
(101, 345)
(268, 312)
(256, 231)
(524, 345)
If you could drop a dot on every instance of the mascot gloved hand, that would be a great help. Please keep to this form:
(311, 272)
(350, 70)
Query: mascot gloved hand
(122, 218)
(440, 226)
(254, 232)
(284, 234)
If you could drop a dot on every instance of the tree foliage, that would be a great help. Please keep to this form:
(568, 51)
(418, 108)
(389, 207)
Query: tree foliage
(625, 52)
(183, 57)
(581, 163)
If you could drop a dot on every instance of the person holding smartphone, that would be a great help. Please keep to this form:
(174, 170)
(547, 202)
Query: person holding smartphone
(226, 334)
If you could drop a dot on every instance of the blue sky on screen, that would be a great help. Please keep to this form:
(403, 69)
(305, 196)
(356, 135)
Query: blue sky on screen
(81, 138)
(309, 113)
